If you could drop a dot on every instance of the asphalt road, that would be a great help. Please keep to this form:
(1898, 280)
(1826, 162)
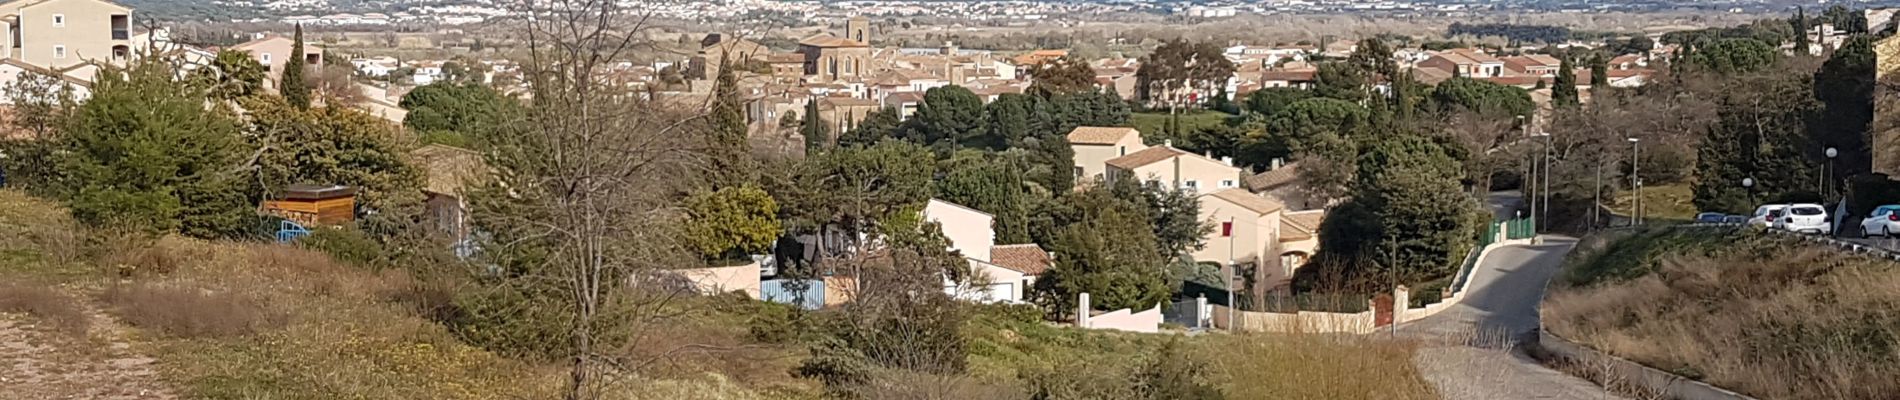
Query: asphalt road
(1470, 348)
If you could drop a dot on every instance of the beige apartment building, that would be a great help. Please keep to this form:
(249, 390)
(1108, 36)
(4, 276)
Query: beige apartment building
(1095, 145)
(1246, 232)
(1175, 168)
(58, 34)
(273, 51)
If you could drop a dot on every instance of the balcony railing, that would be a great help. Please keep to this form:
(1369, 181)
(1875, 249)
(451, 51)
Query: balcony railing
(121, 34)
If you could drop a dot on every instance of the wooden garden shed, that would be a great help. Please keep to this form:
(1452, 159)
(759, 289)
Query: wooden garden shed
(315, 205)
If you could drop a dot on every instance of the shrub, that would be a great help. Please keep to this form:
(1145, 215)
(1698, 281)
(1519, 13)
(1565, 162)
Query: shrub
(344, 244)
(44, 303)
(188, 313)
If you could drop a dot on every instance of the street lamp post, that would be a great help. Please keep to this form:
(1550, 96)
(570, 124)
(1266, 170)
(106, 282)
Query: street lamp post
(1636, 205)
(1548, 152)
(1827, 173)
(1748, 184)
(1528, 183)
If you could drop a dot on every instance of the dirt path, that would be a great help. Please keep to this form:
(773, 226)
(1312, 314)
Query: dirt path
(39, 362)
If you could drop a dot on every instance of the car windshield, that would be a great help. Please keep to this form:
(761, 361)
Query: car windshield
(1808, 211)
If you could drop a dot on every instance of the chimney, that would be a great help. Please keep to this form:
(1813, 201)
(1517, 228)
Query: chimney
(1208, 154)
(1277, 163)
(1167, 142)
(1228, 160)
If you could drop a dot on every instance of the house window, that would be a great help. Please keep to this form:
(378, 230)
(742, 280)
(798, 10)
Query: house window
(1227, 229)
(1226, 183)
(1078, 172)
(59, 20)
(1121, 151)
(59, 51)
(1190, 186)
(264, 58)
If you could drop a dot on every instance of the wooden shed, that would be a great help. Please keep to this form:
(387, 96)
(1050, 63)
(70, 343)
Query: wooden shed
(315, 205)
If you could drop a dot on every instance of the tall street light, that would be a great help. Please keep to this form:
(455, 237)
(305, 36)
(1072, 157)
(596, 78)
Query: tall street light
(1748, 184)
(1636, 205)
(1827, 173)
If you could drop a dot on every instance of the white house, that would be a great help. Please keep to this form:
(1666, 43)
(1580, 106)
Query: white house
(1007, 271)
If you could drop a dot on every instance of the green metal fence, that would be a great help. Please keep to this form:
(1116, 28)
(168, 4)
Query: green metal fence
(1521, 228)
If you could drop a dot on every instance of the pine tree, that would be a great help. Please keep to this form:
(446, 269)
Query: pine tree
(731, 163)
(293, 86)
(1564, 91)
(817, 135)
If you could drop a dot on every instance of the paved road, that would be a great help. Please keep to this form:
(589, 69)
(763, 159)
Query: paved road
(1469, 351)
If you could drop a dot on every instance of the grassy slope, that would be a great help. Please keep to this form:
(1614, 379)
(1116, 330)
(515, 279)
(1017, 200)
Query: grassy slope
(1151, 123)
(1770, 317)
(1676, 201)
(298, 325)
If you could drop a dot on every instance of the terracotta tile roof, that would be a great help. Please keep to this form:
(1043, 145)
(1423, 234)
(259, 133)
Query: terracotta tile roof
(1300, 225)
(1248, 200)
(1028, 259)
(785, 58)
(827, 40)
(1149, 156)
(1264, 181)
(1106, 135)
(1289, 76)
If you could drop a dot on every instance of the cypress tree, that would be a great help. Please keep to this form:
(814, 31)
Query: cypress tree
(817, 135)
(1599, 73)
(730, 161)
(1564, 91)
(294, 89)
(1800, 23)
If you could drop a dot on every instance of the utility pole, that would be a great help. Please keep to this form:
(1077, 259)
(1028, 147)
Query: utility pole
(1636, 183)
(1231, 266)
(1596, 200)
(1549, 153)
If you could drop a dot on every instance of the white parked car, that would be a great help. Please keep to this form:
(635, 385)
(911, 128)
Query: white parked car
(1805, 218)
(1766, 215)
(1882, 222)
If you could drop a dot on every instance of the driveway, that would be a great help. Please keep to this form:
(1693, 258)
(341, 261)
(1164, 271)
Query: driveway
(1469, 350)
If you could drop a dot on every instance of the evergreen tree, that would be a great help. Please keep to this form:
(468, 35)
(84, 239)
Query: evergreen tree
(1761, 137)
(991, 183)
(950, 117)
(145, 154)
(1010, 119)
(817, 135)
(876, 126)
(1409, 219)
(294, 88)
(1599, 74)
(1563, 92)
(1845, 87)
(333, 146)
(1800, 24)
(731, 161)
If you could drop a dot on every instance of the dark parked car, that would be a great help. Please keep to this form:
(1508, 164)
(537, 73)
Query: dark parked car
(1711, 217)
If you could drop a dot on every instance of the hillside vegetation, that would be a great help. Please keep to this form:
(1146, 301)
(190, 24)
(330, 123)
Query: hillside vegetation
(241, 320)
(1767, 316)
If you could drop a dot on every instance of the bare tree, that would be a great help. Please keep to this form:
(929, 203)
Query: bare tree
(584, 203)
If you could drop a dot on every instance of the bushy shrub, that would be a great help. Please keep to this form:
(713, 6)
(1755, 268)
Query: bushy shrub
(345, 244)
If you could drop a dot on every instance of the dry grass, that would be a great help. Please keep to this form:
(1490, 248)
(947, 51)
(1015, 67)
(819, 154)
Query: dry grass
(47, 304)
(1801, 322)
(188, 313)
(1314, 367)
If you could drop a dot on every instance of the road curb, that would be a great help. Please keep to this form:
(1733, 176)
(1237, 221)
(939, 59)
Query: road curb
(1556, 351)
